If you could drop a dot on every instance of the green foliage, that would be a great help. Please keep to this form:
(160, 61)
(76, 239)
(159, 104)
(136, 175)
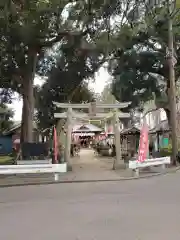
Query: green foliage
(32, 25)
(6, 115)
(167, 151)
(138, 73)
(38, 25)
(44, 102)
(52, 91)
(29, 29)
(6, 160)
(69, 66)
(140, 68)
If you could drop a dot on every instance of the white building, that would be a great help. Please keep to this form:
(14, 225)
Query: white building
(152, 118)
(155, 117)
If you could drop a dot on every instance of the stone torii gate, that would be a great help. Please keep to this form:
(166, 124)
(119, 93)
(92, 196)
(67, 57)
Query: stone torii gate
(93, 108)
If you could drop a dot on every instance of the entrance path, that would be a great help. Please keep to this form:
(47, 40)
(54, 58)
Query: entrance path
(88, 166)
(87, 160)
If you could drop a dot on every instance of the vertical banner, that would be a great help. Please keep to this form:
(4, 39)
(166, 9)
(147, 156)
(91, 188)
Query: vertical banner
(55, 146)
(143, 144)
(110, 129)
(106, 130)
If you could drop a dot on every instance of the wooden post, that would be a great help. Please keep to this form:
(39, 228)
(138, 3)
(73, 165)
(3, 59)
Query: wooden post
(118, 163)
(68, 139)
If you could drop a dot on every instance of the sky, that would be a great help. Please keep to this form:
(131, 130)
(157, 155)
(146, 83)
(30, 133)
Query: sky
(101, 78)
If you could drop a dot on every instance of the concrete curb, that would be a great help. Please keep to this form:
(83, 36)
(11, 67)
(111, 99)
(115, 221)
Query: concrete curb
(89, 181)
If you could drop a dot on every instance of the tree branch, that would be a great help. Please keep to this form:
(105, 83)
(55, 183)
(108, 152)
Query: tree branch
(60, 36)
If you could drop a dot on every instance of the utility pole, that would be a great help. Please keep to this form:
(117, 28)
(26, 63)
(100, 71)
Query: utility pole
(172, 85)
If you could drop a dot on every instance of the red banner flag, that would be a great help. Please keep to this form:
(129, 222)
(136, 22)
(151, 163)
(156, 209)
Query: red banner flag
(55, 146)
(143, 144)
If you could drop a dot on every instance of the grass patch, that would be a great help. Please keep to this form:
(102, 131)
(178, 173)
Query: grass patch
(6, 160)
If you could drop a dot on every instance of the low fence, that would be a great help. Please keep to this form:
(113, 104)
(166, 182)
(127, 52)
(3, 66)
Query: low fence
(152, 162)
(55, 169)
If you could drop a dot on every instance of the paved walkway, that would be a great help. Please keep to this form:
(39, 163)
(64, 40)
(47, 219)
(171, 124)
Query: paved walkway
(147, 209)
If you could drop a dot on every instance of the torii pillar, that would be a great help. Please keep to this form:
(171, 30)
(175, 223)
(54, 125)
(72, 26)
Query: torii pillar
(68, 139)
(118, 162)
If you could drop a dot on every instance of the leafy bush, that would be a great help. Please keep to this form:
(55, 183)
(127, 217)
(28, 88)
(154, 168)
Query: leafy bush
(6, 160)
(167, 151)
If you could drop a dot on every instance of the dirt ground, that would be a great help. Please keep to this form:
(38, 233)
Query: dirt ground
(88, 165)
(88, 160)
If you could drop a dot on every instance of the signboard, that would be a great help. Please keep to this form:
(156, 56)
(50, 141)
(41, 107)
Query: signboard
(143, 144)
(165, 142)
(92, 109)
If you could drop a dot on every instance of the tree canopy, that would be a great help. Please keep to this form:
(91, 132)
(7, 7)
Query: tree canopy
(45, 108)
(140, 69)
(67, 81)
(28, 29)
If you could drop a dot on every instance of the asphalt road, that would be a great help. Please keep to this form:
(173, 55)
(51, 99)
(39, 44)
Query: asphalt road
(143, 209)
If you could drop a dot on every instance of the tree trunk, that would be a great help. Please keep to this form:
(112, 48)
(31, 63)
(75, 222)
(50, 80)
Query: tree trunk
(167, 108)
(168, 115)
(28, 99)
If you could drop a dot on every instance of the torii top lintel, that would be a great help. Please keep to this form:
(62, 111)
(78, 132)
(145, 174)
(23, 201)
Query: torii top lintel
(87, 105)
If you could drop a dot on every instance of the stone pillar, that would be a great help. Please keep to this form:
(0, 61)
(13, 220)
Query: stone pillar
(59, 129)
(68, 139)
(118, 162)
(105, 126)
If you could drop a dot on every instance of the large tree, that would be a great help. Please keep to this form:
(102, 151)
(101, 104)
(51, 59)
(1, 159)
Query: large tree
(28, 28)
(140, 69)
(65, 80)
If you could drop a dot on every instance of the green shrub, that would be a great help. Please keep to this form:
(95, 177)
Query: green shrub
(6, 160)
(167, 151)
